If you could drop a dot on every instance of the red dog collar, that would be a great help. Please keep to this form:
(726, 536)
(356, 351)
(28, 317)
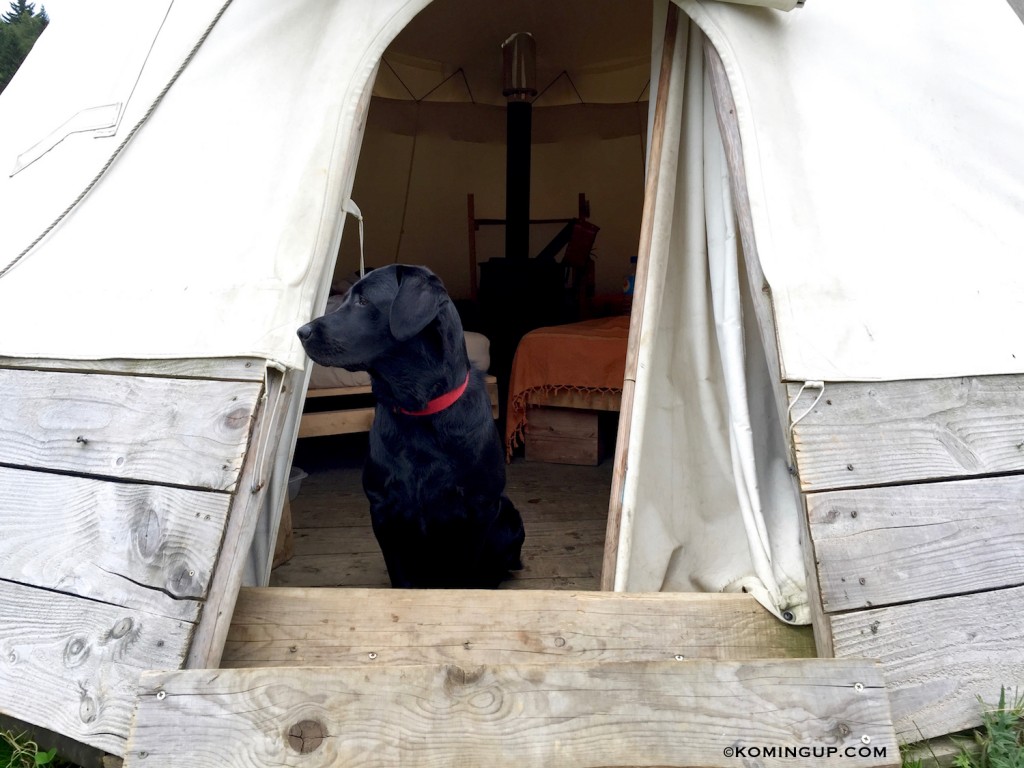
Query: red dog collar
(438, 404)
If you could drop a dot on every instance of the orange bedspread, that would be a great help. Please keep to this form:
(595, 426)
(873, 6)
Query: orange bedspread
(585, 356)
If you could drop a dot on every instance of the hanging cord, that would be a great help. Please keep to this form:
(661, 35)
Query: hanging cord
(641, 113)
(122, 145)
(458, 71)
(408, 183)
(351, 207)
(415, 139)
(564, 73)
(397, 77)
(818, 385)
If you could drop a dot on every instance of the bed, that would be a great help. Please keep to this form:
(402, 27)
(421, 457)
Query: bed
(339, 401)
(562, 378)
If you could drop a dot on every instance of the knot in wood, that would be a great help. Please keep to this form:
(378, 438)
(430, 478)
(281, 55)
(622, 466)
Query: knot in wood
(182, 581)
(87, 709)
(306, 736)
(238, 418)
(75, 652)
(122, 628)
(456, 676)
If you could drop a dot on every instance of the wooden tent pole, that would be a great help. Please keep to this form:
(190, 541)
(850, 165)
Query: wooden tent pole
(611, 541)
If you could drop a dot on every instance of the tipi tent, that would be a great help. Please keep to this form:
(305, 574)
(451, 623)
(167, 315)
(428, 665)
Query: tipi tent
(834, 196)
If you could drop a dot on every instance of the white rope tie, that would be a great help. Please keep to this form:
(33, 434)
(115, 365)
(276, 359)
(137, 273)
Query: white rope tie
(351, 207)
(818, 385)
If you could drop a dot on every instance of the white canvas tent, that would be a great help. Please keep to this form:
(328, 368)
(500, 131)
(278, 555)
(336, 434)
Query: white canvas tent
(174, 185)
(858, 173)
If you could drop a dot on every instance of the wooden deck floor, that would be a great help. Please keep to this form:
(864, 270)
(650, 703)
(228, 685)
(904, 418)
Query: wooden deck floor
(564, 509)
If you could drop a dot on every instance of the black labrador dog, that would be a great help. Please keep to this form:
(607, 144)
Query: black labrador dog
(435, 476)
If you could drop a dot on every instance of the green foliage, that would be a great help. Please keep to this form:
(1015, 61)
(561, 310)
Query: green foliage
(18, 751)
(19, 29)
(999, 743)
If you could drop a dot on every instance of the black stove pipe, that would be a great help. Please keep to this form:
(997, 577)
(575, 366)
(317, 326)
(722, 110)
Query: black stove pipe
(519, 56)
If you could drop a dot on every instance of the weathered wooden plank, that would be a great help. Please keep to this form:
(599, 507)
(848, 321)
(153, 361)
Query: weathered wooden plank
(822, 628)
(312, 393)
(360, 563)
(284, 627)
(335, 498)
(939, 656)
(564, 511)
(544, 535)
(655, 192)
(243, 515)
(223, 368)
(896, 544)
(338, 541)
(879, 433)
(72, 665)
(693, 713)
(173, 431)
(136, 546)
(284, 546)
(543, 570)
(549, 563)
(348, 569)
(563, 436)
(342, 422)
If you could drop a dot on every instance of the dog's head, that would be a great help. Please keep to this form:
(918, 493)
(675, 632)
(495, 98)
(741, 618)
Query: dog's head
(389, 307)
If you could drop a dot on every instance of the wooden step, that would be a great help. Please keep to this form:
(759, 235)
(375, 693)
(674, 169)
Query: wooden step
(306, 627)
(503, 679)
(788, 712)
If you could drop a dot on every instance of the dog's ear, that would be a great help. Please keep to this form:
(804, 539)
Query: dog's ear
(419, 298)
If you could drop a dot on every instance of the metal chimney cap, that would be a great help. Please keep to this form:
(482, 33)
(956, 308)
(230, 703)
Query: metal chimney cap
(519, 67)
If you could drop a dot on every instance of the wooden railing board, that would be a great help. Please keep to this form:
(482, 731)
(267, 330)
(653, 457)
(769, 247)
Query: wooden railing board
(183, 432)
(220, 368)
(246, 506)
(897, 544)
(137, 546)
(72, 665)
(889, 432)
(128, 498)
(939, 656)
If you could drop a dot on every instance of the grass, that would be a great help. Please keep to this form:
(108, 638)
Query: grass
(999, 743)
(18, 751)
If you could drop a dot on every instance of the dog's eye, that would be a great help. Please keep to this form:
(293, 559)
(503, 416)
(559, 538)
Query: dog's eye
(361, 301)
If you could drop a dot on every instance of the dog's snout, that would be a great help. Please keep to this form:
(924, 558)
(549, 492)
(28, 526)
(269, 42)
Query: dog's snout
(305, 332)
